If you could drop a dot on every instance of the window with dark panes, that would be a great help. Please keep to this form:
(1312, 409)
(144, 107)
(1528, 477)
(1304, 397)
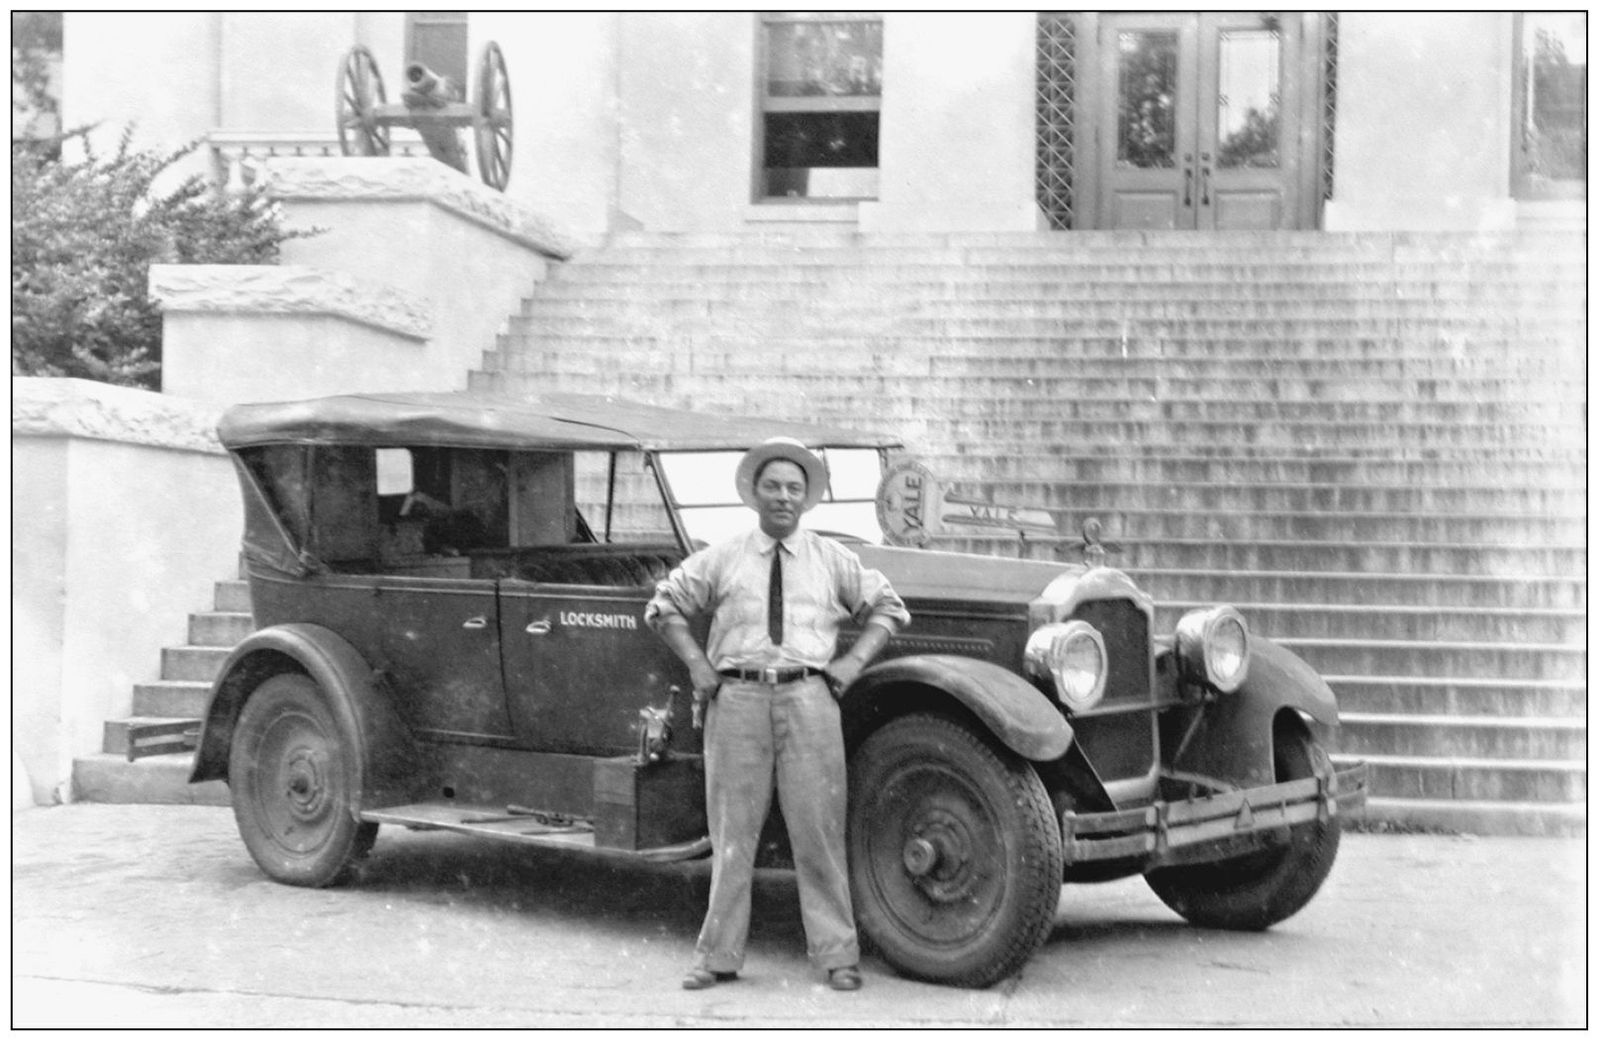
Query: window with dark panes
(439, 40)
(1549, 142)
(822, 98)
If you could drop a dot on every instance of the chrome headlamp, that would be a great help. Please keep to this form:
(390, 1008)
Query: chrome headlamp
(1072, 654)
(1214, 646)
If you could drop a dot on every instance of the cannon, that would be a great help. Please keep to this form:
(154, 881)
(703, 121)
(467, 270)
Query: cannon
(433, 105)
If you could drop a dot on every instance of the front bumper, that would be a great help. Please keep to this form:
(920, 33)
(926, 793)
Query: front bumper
(1212, 827)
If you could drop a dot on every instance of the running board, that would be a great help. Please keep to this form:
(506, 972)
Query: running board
(522, 825)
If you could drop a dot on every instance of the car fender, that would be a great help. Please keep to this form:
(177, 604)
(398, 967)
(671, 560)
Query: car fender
(1012, 709)
(387, 766)
(1233, 739)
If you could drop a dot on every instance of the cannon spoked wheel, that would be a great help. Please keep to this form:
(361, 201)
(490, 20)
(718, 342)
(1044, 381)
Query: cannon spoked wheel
(493, 119)
(359, 92)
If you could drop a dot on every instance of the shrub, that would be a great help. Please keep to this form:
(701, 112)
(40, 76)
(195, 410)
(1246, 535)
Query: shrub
(84, 234)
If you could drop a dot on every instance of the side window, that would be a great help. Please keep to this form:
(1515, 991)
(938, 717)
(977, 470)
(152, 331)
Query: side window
(1549, 101)
(821, 100)
(628, 510)
(432, 501)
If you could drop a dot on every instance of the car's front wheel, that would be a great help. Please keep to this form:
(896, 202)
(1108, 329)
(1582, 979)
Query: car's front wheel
(1255, 891)
(288, 780)
(954, 856)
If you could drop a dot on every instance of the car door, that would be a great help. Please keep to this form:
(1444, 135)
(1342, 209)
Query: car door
(439, 650)
(581, 664)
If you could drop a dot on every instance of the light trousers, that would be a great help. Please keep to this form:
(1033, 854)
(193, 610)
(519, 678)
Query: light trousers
(787, 738)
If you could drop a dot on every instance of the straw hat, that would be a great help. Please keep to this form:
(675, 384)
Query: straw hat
(789, 449)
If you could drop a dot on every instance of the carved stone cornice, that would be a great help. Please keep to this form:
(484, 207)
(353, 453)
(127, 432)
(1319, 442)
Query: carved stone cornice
(390, 179)
(288, 289)
(44, 407)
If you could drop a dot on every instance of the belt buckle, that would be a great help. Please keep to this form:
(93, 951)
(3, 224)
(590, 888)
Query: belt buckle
(771, 675)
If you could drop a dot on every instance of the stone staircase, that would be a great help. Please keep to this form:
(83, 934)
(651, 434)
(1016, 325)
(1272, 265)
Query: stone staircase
(146, 757)
(1373, 444)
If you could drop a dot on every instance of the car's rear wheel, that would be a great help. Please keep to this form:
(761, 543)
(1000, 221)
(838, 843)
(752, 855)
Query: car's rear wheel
(954, 855)
(289, 771)
(1254, 891)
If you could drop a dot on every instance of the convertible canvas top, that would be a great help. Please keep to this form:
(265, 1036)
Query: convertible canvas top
(554, 421)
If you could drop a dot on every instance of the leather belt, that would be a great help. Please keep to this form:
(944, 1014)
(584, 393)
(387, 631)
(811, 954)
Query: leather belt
(772, 674)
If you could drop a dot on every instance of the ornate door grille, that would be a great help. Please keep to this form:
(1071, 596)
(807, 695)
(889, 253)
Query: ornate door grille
(1057, 66)
(1330, 97)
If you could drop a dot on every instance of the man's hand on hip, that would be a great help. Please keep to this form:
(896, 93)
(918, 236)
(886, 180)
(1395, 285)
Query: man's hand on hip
(841, 673)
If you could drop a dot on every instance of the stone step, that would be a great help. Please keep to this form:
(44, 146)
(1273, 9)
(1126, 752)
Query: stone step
(714, 304)
(1468, 332)
(1395, 622)
(191, 662)
(1255, 394)
(110, 778)
(219, 629)
(919, 427)
(1304, 498)
(232, 595)
(1322, 361)
(144, 732)
(1464, 696)
(1314, 529)
(173, 698)
(1382, 558)
(1564, 662)
(1142, 258)
(1473, 592)
(1557, 285)
(1065, 380)
(1445, 778)
(1479, 817)
(1555, 413)
(1169, 465)
(1464, 737)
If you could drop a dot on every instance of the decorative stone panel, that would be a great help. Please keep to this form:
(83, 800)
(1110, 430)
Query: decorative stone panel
(288, 289)
(331, 179)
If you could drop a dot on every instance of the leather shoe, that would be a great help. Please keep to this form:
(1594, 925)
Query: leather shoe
(844, 978)
(699, 978)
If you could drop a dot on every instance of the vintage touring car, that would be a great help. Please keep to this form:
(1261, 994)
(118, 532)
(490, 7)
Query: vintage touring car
(448, 591)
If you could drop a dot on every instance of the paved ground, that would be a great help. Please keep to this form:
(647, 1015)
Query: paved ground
(150, 916)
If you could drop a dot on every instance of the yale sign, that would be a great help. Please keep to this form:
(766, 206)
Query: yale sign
(912, 507)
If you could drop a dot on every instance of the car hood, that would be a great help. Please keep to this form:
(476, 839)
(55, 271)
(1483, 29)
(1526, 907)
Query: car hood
(934, 575)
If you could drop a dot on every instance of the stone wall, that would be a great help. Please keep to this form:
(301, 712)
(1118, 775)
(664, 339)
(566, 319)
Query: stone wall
(411, 273)
(125, 511)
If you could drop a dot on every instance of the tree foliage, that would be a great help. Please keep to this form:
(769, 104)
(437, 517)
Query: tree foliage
(35, 39)
(84, 234)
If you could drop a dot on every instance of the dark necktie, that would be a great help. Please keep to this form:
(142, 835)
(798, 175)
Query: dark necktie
(775, 596)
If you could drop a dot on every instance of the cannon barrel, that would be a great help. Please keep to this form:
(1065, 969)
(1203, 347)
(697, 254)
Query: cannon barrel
(428, 87)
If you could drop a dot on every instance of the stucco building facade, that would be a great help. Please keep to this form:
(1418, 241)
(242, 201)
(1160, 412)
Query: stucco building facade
(904, 121)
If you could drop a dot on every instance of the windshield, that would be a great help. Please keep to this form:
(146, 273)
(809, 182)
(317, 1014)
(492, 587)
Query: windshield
(703, 489)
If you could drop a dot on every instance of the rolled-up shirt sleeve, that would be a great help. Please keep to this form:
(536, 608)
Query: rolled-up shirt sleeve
(869, 597)
(686, 592)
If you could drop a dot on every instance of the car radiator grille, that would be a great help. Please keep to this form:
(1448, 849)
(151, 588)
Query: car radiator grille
(1121, 745)
(1125, 628)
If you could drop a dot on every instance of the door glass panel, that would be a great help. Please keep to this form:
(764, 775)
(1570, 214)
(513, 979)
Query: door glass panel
(1247, 99)
(1551, 99)
(1146, 119)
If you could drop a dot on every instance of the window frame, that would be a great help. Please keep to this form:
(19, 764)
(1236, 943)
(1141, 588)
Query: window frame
(1521, 186)
(765, 104)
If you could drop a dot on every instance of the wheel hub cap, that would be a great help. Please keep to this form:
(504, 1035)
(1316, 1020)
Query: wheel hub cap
(937, 856)
(305, 791)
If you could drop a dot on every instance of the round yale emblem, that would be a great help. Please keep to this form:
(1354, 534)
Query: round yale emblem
(908, 502)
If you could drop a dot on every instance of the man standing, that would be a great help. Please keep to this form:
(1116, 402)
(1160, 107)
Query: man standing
(770, 678)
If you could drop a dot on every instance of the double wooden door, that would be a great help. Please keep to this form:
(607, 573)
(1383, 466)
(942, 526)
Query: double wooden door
(1207, 121)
